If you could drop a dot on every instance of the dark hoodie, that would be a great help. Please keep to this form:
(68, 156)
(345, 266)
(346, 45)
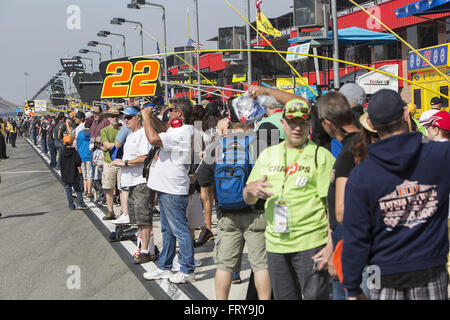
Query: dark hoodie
(70, 161)
(396, 209)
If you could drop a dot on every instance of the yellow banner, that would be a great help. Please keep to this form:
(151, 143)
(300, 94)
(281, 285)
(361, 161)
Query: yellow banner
(263, 24)
(239, 78)
(286, 84)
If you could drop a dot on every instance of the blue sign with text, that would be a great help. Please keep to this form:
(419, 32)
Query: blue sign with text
(438, 56)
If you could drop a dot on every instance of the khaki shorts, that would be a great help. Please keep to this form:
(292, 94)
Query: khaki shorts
(236, 230)
(110, 177)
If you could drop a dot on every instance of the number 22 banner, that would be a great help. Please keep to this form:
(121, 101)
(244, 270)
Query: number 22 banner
(124, 78)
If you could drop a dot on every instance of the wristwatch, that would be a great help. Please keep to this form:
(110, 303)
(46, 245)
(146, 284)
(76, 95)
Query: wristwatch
(126, 163)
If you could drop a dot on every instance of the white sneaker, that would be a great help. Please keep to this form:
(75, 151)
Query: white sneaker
(123, 219)
(158, 274)
(181, 277)
(176, 263)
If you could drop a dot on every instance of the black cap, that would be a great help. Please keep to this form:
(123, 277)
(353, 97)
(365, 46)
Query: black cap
(61, 115)
(385, 106)
(80, 115)
(435, 101)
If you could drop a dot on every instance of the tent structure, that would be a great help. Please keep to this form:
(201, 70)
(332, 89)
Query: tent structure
(353, 36)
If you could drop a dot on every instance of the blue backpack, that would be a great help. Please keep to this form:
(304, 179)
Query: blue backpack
(233, 167)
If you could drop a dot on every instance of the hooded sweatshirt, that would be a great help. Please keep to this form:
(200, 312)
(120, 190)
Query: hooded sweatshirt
(396, 209)
(70, 161)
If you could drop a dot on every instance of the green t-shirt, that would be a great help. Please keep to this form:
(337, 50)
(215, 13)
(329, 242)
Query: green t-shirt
(305, 192)
(108, 134)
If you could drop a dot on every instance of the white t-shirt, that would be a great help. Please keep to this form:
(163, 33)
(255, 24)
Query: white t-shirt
(79, 128)
(170, 172)
(136, 145)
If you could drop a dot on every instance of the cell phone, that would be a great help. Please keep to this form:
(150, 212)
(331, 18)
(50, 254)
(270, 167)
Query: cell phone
(316, 264)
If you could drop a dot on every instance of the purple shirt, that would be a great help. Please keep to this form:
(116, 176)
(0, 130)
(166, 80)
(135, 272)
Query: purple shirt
(97, 126)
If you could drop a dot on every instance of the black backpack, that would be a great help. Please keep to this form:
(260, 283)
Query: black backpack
(123, 232)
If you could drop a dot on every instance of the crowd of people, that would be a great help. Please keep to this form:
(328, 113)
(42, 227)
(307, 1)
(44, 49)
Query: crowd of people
(321, 193)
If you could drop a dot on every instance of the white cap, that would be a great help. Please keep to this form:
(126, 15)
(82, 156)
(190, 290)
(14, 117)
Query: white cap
(426, 117)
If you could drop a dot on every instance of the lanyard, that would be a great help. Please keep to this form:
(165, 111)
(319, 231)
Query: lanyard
(286, 174)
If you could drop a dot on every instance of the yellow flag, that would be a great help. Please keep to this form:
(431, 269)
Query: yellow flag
(263, 24)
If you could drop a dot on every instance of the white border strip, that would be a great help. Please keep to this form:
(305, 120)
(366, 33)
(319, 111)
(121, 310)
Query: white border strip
(169, 288)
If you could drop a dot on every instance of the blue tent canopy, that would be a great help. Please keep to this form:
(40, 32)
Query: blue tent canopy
(423, 7)
(355, 35)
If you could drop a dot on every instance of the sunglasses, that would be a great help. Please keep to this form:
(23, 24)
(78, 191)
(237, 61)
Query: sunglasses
(113, 115)
(128, 117)
(296, 122)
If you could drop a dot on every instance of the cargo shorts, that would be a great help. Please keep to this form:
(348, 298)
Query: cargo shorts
(235, 231)
(140, 205)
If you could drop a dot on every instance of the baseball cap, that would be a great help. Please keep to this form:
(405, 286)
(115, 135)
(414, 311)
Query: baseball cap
(296, 108)
(80, 115)
(435, 101)
(354, 93)
(385, 106)
(363, 121)
(68, 140)
(130, 111)
(441, 120)
(426, 117)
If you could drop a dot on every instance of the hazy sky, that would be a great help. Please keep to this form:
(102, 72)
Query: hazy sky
(34, 33)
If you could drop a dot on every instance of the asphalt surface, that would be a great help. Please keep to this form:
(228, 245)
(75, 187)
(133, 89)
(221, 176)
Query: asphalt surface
(46, 250)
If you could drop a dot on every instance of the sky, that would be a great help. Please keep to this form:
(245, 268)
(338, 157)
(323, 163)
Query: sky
(34, 34)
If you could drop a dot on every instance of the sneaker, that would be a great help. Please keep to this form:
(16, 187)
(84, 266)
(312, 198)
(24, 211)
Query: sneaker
(123, 219)
(109, 216)
(82, 207)
(204, 236)
(90, 197)
(144, 258)
(158, 274)
(181, 277)
(176, 263)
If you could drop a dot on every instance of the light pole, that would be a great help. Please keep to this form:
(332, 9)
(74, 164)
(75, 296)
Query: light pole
(136, 4)
(120, 21)
(84, 58)
(26, 85)
(199, 94)
(249, 46)
(107, 33)
(84, 51)
(336, 80)
(96, 43)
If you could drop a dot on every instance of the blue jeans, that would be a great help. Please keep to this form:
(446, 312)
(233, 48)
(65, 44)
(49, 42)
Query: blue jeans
(174, 226)
(77, 188)
(338, 289)
(52, 149)
(44, 146)
(60, 147)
